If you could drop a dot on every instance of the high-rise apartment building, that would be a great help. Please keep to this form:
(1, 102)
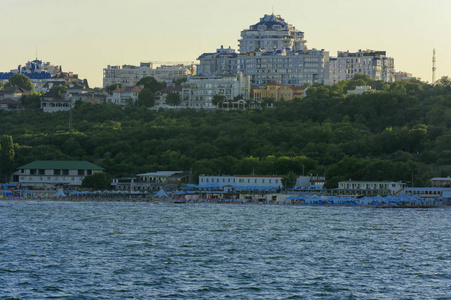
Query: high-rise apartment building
(372, 63)
(271, 50)
(198, 91)
(272, 33)
(129, 75)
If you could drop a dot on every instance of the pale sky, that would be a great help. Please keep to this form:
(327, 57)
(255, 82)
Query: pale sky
(84, 36)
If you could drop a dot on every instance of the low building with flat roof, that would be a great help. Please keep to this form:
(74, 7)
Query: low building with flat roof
(378, 187)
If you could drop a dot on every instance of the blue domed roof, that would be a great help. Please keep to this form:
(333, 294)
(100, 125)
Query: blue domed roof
(269, 21)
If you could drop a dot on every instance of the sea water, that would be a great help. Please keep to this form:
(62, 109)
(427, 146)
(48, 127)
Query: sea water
(110, 250)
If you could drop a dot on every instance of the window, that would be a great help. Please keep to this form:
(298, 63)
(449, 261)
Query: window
(81, 172)
(56, 172)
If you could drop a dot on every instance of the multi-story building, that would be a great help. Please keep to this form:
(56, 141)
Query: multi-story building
(270, 50)
(43, 75)
(44, 173)
(198, 91)
(372, 63)
(129, 75)
(277, 92)
(54, 101)
(404, 76)
(35, 70)
(271, 33)
(223, 61)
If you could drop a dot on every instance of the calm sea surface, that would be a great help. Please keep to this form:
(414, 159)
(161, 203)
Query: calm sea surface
(217, 251)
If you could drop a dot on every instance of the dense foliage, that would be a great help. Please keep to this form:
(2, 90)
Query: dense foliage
(97, 181)
(401, 133)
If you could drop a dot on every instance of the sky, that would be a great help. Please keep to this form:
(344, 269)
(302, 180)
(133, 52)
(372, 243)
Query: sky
(85, 36)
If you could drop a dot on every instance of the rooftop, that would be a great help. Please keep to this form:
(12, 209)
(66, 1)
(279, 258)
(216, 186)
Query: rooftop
(61, 165)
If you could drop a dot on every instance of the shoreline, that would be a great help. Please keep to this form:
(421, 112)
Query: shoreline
(215, 201)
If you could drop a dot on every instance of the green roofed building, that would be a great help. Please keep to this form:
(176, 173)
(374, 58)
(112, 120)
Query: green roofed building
(46, 173)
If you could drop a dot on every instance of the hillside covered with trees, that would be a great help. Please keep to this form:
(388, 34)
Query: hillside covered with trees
(402, 132)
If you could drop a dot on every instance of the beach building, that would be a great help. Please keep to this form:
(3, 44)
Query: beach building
(441, 181)
(365, 187)
(257, 182)
(152, 181)
(48, 173)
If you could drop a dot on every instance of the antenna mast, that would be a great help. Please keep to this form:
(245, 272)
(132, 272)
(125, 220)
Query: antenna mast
(433, 67)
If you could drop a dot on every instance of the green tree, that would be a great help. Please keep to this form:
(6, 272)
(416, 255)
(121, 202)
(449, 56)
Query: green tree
(7, 155)
(179, 81)
(1, 85)
(289, 181)
(151, 83)
(110, 88)
(32, 101)
(97, 181)
(174, 99)
(61, 89)
(21, 81)
(146, 98)
(218, 100)
(267, 101)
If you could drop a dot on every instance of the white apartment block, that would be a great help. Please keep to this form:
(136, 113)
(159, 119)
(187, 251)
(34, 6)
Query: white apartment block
(272, 33)
(270, 50)
(263, 67)
(372, 63)
(198, 91)
(129, 75)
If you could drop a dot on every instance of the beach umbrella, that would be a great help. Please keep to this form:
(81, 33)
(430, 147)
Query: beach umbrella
(60, 193)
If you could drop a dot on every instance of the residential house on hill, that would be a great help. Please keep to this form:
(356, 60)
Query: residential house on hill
(13, 93)
(9, 104)
(278, 92)
(54, 101)
(160, 96)
(124, 95)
